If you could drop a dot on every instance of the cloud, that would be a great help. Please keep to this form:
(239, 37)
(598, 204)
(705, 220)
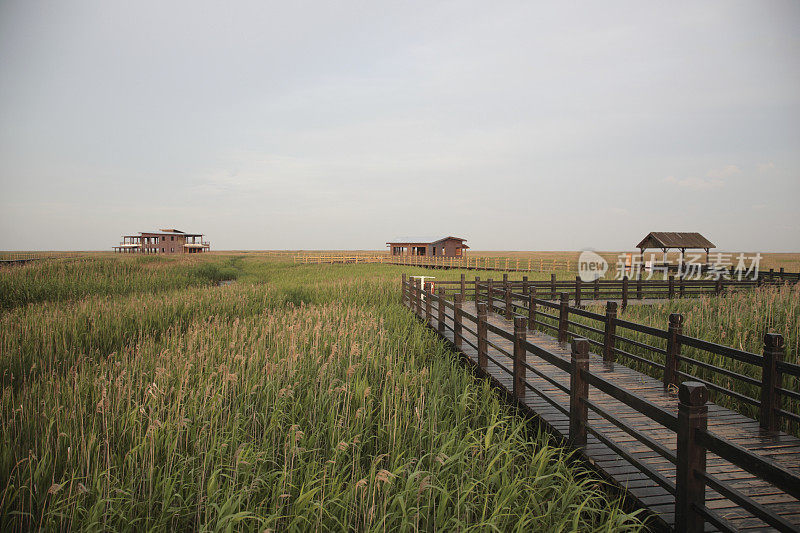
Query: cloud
(714, 179)
(763, 168)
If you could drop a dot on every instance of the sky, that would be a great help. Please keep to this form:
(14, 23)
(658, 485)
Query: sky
(342, 125)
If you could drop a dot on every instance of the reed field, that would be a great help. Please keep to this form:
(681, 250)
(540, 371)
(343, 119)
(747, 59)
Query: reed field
(139, 394)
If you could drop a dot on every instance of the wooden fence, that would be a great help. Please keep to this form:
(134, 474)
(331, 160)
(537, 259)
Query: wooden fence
(623, 290)
(506, 264)
(694, 442)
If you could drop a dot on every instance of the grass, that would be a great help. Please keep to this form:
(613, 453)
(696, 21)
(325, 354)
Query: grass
(73, 279)
(299, 398)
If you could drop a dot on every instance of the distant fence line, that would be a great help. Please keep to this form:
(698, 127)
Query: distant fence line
(23, 257)
(506, 264)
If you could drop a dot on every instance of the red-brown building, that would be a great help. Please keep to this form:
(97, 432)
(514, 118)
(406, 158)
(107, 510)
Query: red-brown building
(163, 241)
(444, 247)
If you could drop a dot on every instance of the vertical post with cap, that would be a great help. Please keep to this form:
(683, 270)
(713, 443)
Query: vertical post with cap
(639, 286)
(532, 309)
(519, 358)
(440, 310)
(718, 286)
(418, 283)
(673, 349)
(428, 294)
(671, 287)
(525, 287)
(610, 332)
(771, 379)
(552, 286)
(681, 286)
(508, 301)
(482, 341)
(489, 295)
(463, 285)
(578, 392)
(690, 489)
(458, 301)
(624, 293)
(597, 288)
(578, 285)
(477, 289)
(563, 317)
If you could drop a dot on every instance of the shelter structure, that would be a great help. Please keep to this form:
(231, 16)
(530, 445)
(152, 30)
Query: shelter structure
(674, 240)
(445, 247)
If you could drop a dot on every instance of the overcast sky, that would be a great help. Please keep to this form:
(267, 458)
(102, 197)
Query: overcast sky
(516, 125)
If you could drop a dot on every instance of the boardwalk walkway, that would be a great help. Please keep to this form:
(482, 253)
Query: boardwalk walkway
(779, 447)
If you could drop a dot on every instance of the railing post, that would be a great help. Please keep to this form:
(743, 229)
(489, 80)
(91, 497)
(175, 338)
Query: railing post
(563, 317)
(597, 289)
(482, 344)
(440, 310)
(403, 291)
(463, 286)
(578, 284)
(690, 489)
(771, 378)
(718, 286)
(458, 300)
(428, 294)
(532, 309)
(681, 286)
(782, 273)
(477, 289)
(552, 286)
(624, 292)
(771, 274)
(578, 392)
(639, 286)
(610, 332)
(671, 287)
(505, 282)
(525, 288)
(508, 313)
(673, 349)
(519, 358)
(490, 295)
(418, 289)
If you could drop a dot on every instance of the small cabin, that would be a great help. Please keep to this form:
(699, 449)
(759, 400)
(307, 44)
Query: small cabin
(445, 247)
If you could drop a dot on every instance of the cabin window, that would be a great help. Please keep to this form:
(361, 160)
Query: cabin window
(163, 250)
(172, 238)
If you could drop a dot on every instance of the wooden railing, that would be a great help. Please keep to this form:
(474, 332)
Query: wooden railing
(693, 440)
(623, 290)
(467, 263)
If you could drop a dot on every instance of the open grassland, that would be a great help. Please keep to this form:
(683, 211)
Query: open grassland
(299, 398)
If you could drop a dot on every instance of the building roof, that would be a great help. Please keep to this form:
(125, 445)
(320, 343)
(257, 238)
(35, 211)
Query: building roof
(675, 239)
(425, 240)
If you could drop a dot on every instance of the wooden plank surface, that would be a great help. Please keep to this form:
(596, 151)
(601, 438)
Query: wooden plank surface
(782, 448)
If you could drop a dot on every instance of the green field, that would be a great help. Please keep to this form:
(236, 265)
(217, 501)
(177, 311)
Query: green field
(138, 394)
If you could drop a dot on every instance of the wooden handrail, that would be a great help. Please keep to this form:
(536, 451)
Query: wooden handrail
(694, 441)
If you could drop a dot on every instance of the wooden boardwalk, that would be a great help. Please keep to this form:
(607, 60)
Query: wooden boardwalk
(779, 447)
